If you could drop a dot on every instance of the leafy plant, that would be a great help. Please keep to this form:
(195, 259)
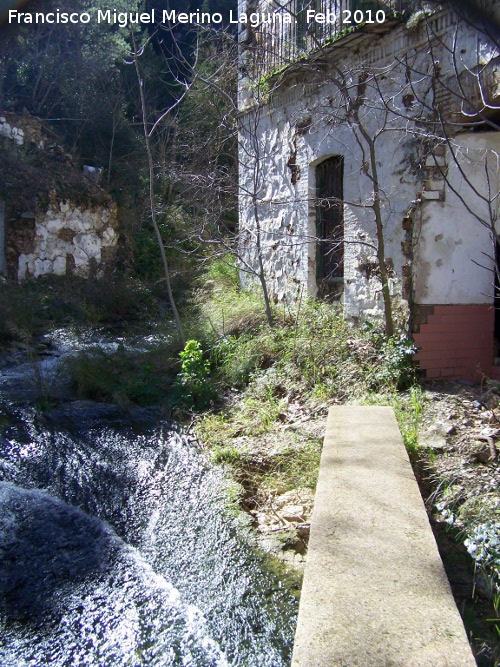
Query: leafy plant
(395, 354)
(194, 368)
(195, 371)
(483, 544)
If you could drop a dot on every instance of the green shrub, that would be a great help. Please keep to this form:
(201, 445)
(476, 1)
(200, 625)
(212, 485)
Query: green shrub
(194, 375)
(394, 355)
(194, 368)
(237, 358)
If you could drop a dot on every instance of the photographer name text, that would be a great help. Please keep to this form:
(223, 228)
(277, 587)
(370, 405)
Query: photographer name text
(173, 17)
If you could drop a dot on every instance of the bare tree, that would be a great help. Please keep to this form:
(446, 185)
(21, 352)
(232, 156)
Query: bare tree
(349, 101)
(205, 170)
(425, 97)
(350, 107)
(149, 128)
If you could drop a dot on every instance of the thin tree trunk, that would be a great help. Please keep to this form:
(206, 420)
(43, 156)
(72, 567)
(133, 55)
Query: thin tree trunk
(166, 269)
(377, 209)
(262, 275)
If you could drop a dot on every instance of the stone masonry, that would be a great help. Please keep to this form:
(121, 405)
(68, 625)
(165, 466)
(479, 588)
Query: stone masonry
(68, 239)
(438, 225)
(55, 220)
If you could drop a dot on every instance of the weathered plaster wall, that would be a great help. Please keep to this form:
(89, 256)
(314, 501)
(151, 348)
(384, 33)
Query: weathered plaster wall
(455, 251)
(65, 239)
(281, 145)
(286, 210)
(454, 261)
(433, 248)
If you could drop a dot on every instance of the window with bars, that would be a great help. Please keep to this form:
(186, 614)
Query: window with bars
(330, 219)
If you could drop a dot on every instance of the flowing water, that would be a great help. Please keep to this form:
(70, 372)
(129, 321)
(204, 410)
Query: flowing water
(117, 548)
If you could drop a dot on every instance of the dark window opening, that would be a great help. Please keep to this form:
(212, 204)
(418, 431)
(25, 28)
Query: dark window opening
(330, 225)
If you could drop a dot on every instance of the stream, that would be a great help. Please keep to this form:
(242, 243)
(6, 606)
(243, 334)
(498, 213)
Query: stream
(117, 546)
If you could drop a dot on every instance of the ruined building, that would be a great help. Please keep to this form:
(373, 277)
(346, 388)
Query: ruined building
(54, 218)
(369, 154)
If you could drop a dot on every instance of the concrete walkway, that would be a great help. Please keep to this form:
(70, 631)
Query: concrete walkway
(375, 592)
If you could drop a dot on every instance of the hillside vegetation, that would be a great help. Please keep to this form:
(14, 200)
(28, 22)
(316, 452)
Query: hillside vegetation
(257, 398)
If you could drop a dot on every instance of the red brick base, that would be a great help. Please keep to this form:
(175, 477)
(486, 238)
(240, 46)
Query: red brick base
(456, 342)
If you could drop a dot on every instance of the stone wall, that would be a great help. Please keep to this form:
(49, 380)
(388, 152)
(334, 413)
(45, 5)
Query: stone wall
(437, 251)
(56, 219)
(65, 239)
(287, 139)
(287, 212)
(21, 128)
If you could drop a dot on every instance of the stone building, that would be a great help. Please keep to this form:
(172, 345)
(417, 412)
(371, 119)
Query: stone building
(53, 219)
(369, 158)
